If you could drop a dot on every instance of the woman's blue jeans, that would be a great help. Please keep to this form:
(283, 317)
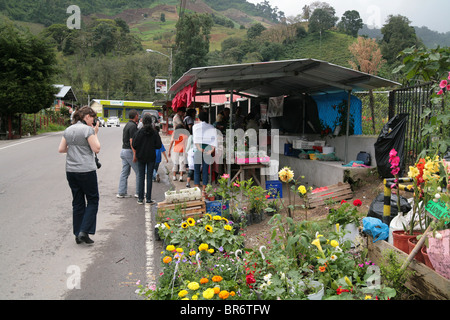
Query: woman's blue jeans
(142, 166)
(85, 200)
(203, 167)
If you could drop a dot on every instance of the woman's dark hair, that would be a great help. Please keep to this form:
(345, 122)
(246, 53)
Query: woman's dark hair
(191, 113)
(147, 121)
(82, 112)
(203, 116)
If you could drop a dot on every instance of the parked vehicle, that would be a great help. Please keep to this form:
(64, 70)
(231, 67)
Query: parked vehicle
(113, 121)
(102, 121)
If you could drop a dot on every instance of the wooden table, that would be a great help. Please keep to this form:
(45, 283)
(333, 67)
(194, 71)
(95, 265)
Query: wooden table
(252, 167)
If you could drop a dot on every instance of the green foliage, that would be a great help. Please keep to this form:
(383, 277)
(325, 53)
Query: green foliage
(351, 23)
(192, 42)
(322, 20)
(28, 68)
(397, 36)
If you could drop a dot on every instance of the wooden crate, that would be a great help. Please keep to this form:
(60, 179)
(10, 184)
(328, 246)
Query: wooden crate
(425, 282)
(336, 192)
(188, 208)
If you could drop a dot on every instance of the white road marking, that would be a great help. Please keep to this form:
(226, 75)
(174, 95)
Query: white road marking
(29, 140)
(151, 279)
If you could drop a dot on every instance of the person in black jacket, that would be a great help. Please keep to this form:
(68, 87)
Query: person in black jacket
(146, 141)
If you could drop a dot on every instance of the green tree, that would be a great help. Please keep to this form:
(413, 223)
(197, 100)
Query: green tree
(322, 20)
(27, 66)
(255, 30)
(192, 42)
(397, 36)
(351, 23)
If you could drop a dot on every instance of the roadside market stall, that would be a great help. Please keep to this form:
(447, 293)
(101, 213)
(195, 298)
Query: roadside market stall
(306, 83)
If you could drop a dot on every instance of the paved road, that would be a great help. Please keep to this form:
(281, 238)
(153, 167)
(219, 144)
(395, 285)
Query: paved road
(39, 256)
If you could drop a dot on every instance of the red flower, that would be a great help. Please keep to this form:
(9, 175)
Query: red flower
(357, 203)
(250, 279)
(343, 201)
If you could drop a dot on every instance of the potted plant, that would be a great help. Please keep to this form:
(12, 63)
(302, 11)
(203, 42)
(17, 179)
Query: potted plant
(346, 217)
(257, 199)
(209, 191)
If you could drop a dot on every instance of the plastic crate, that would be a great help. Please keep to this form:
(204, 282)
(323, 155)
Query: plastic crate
(215, 207)
(274, 188)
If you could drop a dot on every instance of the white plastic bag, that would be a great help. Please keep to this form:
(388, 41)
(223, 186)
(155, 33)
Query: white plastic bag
(399, 220)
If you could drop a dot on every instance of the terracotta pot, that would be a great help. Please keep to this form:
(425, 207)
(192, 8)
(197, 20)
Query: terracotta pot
(426, 258)
(411, 244)
(401, 239)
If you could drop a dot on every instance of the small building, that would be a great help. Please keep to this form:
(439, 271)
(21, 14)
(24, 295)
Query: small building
(65, 97)
(120, 108)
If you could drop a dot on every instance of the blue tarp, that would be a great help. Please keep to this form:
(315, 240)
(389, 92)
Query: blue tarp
(327, 107)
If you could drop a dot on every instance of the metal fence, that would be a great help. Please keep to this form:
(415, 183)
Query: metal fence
(374, 120)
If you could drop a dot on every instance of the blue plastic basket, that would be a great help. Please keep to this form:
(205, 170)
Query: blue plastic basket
(214, 207)
(274, 188)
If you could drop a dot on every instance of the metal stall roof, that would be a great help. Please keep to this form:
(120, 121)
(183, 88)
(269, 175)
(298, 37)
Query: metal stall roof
(276, 78)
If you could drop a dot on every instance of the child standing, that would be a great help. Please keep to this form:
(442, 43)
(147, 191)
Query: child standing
(178, 156)
(158, 161)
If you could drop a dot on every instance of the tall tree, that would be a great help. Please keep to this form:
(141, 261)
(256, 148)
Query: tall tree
(397, 36)
(322, 20)
(351, 23)
(192, 42)
(27, 66)
(367, 58)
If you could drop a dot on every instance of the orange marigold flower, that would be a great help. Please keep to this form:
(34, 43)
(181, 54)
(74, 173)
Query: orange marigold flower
(167, 259)
(322, 268)
(216, 290)
(217, 278)
(204, 280)
(224, 294)
(232, 293)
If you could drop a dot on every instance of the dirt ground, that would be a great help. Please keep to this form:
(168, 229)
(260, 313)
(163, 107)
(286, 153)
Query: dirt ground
(366, 190)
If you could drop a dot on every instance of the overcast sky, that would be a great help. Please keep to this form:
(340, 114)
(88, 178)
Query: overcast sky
(433, 14)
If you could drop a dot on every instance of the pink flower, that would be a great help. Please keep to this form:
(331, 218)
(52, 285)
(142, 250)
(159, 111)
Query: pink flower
(236, 184)
(392, 153)
(225, 176)
(395, 171)
(443, 84)
(440, 92)
(395, 161)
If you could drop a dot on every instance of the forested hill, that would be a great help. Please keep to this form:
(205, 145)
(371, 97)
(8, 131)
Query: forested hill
(48, 12)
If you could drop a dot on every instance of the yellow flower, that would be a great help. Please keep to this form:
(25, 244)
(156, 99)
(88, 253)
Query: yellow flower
(193, 286)
(203, 247)
(286, 174)
(302, 190)
(184, 225)
(195, 297)
(170, 247)
(316, 242)
(228, 227)
(367, 297)
(217, 218)
(413, 172)
(209, 216)
(211, 251)
(182, 293)
(225, 219)
(192, 253)
(179, 250)
(191, 222)
(209, 228)
(334, 243)
(337, 227)
(167, 226)
(347, 281)
(208, 293)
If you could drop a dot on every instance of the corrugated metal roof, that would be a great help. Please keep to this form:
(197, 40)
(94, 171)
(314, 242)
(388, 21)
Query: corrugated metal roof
(276, 78)
(65, 92)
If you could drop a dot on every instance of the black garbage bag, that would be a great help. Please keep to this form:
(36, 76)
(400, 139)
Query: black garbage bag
(377, 206)
(392, 136)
